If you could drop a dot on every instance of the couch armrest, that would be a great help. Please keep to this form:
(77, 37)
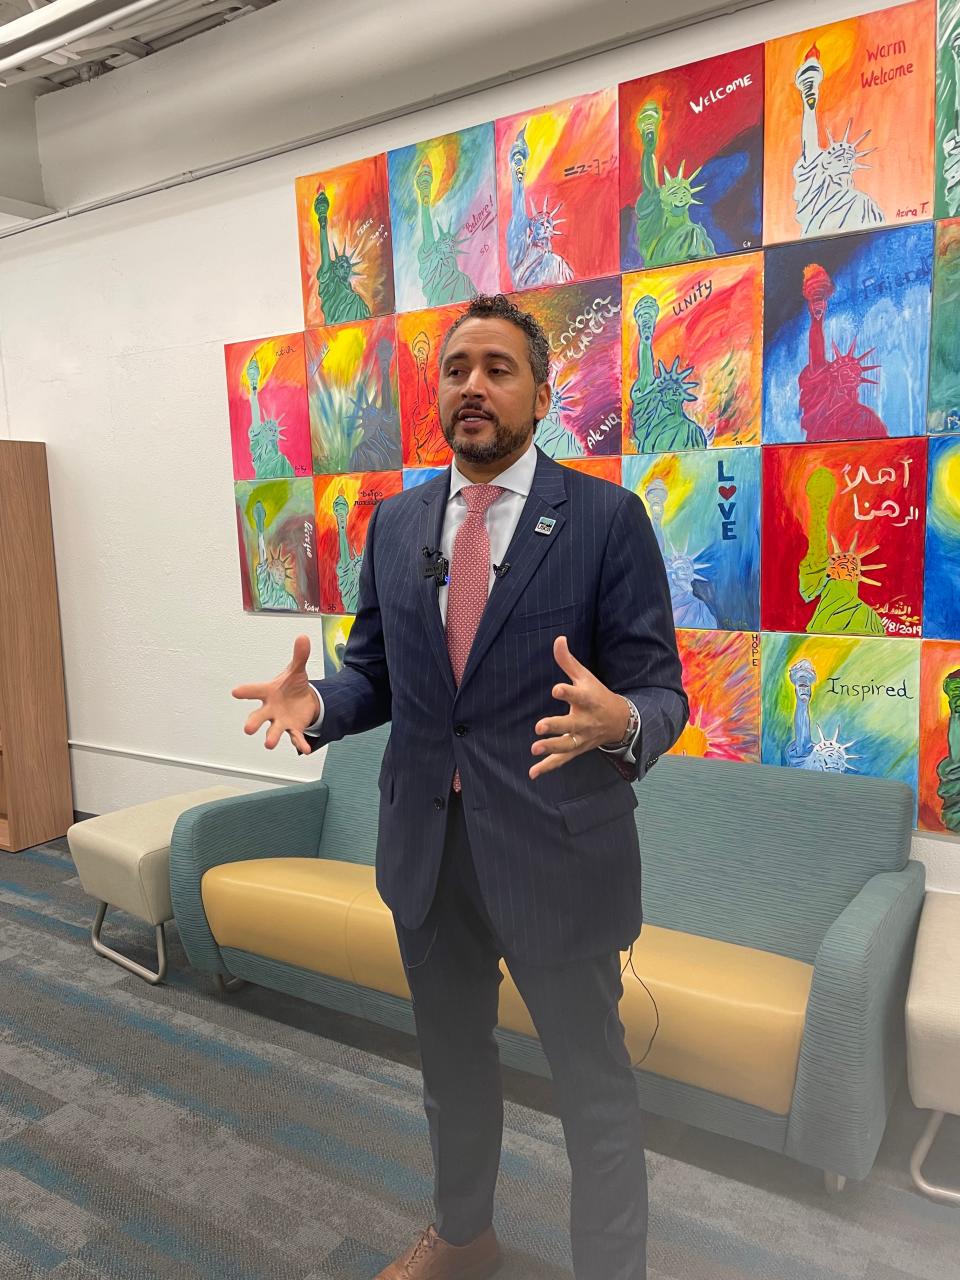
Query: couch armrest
(853, 1048)
(281, 823)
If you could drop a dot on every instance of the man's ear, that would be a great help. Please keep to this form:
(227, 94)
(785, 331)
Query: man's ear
(544, 398)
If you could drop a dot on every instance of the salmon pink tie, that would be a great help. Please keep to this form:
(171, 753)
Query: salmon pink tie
(469, 579)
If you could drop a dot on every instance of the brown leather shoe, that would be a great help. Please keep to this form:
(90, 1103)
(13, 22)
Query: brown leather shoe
(433, 1259)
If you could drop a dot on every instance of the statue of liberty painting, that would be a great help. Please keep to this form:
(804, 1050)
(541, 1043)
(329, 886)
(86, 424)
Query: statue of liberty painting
(824, 190)
(552, 435)
(373, 419)
(339, 299)
(948, 770)
(829, 755)
(348, 564)
(274, 569)
(664, 230)
(441, 278)
(683, 569)
(833, 578)
(264, 434)
(659, 395)
(830, 406)
(428, 437)
(530, 237)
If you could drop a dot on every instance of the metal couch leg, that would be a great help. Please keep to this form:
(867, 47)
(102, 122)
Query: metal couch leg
(148, 975)
(228, 985)
(834, 1182)
(920, 1153)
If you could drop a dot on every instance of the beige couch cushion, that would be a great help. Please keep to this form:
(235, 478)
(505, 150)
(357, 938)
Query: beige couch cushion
(731, 1017)
(123, 858)
(933, 1007)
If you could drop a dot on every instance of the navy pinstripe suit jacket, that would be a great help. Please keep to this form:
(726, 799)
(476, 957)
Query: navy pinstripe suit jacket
(557, 857)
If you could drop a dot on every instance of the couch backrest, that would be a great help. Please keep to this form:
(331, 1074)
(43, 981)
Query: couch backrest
(760, 855)
(351, 770)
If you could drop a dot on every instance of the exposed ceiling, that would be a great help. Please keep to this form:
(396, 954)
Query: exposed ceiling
(49, 49)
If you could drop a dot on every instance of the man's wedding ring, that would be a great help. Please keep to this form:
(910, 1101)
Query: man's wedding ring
(576, 744)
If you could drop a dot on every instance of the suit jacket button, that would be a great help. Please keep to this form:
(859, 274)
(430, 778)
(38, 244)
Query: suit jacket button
(438, 802)
(461, 730)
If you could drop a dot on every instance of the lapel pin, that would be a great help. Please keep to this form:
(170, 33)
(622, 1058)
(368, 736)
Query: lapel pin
(545, 525)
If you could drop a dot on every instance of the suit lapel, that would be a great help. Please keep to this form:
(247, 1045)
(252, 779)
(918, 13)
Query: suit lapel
(524, 555)
(429, 531)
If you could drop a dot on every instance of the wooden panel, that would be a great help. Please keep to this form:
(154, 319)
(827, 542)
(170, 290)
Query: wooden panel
(33, 724)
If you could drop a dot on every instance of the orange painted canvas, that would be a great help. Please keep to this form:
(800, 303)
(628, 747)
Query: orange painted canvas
(558, 191)
(346, 253)
(692, 355)
(602, 468)
(419, 337)
(939, 791)
(721, 675)
(848, 141)
(344, 505)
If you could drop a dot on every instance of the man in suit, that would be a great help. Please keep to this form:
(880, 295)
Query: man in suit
(506, 815)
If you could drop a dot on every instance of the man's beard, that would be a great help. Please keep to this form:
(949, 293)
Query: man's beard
(506, 440)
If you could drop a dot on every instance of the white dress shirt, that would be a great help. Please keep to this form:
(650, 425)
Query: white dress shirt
(501, 518)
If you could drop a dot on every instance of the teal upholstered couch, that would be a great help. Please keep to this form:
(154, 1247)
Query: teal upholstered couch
(808, 866)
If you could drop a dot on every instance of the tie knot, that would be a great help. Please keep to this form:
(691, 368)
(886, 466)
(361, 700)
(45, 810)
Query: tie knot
(479, 497)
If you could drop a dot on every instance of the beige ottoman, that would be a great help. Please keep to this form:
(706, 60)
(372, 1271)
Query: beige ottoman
(933, 1027)
(123, 860)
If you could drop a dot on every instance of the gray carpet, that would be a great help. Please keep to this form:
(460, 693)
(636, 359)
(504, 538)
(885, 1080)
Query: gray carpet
(166, 1132)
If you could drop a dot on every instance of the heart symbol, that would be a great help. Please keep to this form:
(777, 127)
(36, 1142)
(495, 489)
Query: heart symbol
(727, 491)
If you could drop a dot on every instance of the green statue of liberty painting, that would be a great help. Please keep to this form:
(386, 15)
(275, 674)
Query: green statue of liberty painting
(552, 433)
(948, 770)
(440, 275)
(274, 570)
(660, 394)
(339, 299)
(348, 564)
(264, 434)
(833, 578)
(664, 230)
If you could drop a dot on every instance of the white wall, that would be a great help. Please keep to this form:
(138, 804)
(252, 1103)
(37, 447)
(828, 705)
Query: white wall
(20, 178)
(111, 333)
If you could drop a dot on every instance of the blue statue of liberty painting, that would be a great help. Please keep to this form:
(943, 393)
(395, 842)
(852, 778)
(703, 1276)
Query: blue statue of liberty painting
(441, 278)
(264, 434)
(659, 394)
(274, 569)
(530, 236)
(829, 755)
(683, 569)
(339, 299)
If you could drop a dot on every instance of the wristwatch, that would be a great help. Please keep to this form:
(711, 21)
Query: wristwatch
(633, 724)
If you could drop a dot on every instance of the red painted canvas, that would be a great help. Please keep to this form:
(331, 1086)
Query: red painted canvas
(344, 505)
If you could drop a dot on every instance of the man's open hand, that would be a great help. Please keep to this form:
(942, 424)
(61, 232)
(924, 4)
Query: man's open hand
(289, 703)
(597, 716)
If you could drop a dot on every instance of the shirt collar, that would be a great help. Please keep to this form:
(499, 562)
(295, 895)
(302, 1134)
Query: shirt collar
(518, 477)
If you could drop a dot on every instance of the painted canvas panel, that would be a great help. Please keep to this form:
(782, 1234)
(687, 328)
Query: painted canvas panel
(947, 158)
(267, 399)
(692, 365)
(346, 254)
(344, 505)
(354, 401)
(943, 409)
(721, 676)
(705, 512)
(443, 211)
(412, 476)
(603, 468)
(557, 192)
(835, 704)
(336, 633)
(419, 338)
(939, 793)
(843, 537)
(847, 336)
(582, 324)
(278, 545)
(691, 161)
(849, 110)
(941, 605)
